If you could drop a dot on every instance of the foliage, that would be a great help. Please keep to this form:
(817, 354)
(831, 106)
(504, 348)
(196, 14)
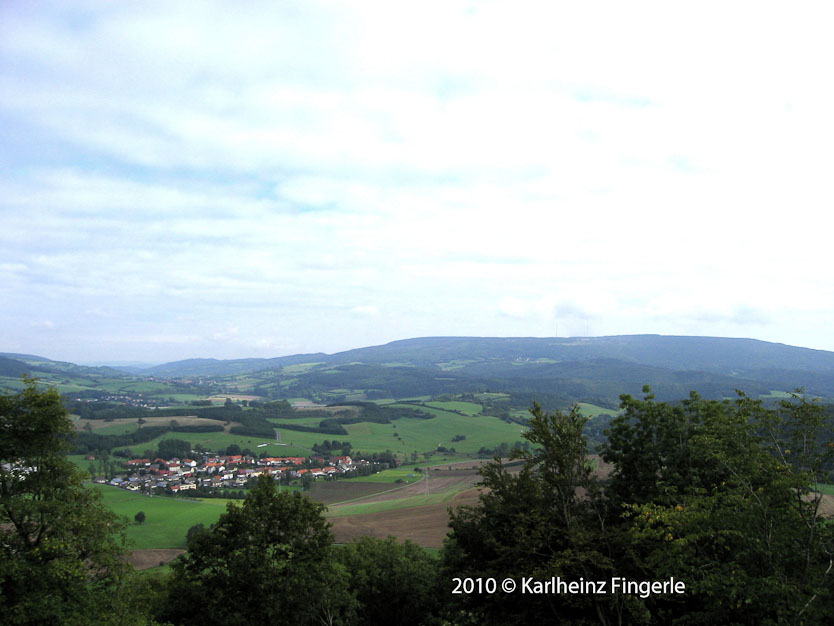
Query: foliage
(61, 552)
(732, 510)
(265, 561)
(718, 494)
(547, 520)
(395, 583)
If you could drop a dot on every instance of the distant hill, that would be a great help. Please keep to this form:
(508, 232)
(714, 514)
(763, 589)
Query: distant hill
(35, 363)
(600, 367)
(586, 369)
(15, 368)
(229, 367)
(715, 354)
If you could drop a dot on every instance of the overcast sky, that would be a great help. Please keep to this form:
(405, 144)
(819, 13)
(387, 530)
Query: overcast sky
(236, 179)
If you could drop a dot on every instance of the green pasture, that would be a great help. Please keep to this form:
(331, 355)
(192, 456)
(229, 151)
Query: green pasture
(775, 394)
(117, 429)
(389, 476)
(11, 383)
(146, 386)
(593, 410)
(454, 364)
(79, 461)
(215, 441)
(423, 435)
(301, 421)
(470, 408)
(181, 397)
(167, 520)
(299, 368)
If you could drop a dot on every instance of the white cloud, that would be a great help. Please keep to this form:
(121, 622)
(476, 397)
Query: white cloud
(469, 168)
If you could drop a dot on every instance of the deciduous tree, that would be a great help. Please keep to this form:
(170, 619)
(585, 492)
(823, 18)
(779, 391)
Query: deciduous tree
(61, 551)
(265, 561)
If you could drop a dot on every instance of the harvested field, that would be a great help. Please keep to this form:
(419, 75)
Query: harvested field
(436, 485)
(146, 559)
(424, 525)
(233, 397)
(332, 491)
(182, 420)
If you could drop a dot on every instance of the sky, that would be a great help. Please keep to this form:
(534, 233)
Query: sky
(249, 179)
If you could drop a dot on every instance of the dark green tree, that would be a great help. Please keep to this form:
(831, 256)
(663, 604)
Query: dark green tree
(395, 583)
(547, 520)
(725, 501)
(139, 518)
(265, 561)
(61, 551)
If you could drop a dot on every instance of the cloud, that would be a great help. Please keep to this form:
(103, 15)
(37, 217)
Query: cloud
(466, 167)
(365, 309)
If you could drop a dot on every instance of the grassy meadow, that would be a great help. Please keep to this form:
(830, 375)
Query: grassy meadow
(167, 520)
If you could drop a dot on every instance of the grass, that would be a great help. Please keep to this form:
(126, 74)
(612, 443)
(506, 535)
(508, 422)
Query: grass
(775, 394)
(389, 476)
(470, 408)
(424, 435)
(167, 520)
(300, 368)
(593, 410)
(120, 429)
(217, 440)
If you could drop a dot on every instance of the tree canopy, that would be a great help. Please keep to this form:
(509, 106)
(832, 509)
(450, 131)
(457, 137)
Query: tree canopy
(265, 560)
(722, 495)
(61, 552)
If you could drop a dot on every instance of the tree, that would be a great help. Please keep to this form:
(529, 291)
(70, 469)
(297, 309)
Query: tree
(265, 561)
(139, 517)
(725, 499)
(397, 584)
(547, 520)
(193, 531)
(61, 551)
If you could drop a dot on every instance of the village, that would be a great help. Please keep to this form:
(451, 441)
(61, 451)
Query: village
(172, 476)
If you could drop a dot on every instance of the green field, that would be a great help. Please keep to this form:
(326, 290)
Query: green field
(301, 421)
(167, 519)
(117, 429)
(470, 408)
(390, 476)
(299, 368)
(592, 410)
(775, 394)
(216, 441)
(424, 435)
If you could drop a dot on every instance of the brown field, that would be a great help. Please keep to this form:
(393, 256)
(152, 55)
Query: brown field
(424, 525)
(146, 559)
(332, 491)
(233, 397)
(182, 420)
